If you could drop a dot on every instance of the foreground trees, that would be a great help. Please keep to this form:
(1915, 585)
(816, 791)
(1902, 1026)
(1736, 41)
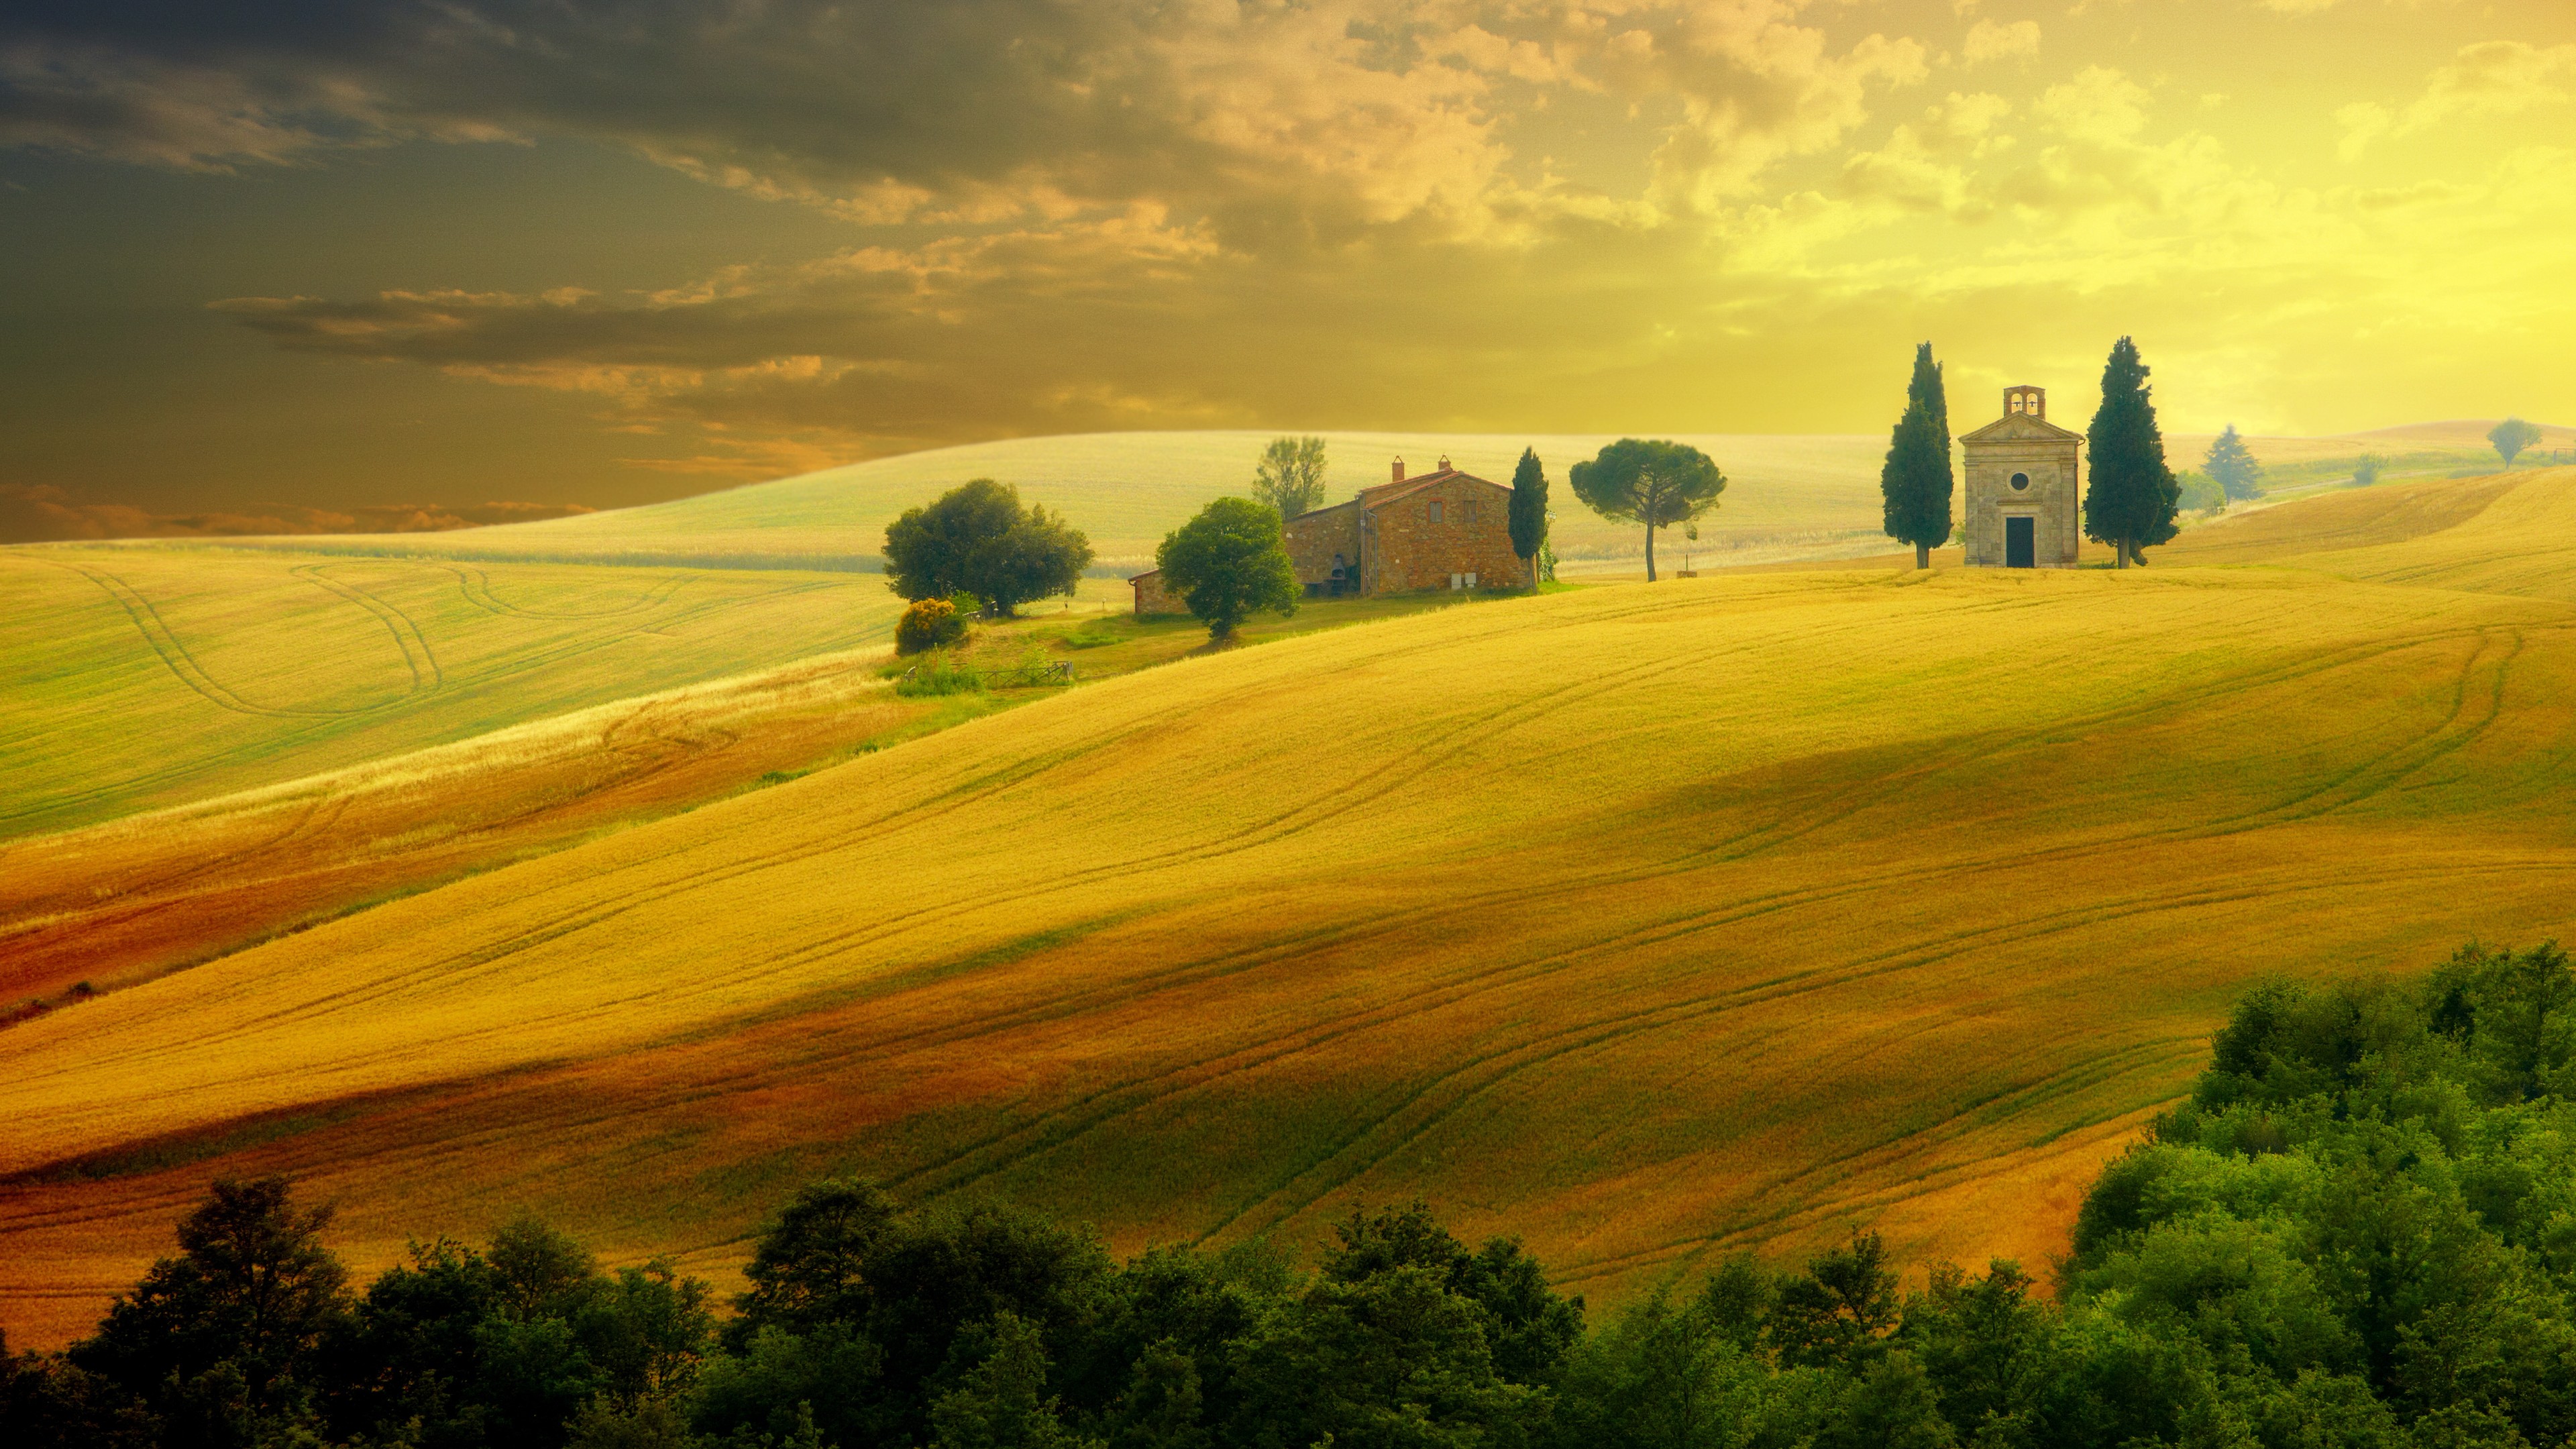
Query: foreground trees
(2131, 497)
(1657, 483)
(977, 539)
(2358, 1232)
(1916, 482)
(1228, 564)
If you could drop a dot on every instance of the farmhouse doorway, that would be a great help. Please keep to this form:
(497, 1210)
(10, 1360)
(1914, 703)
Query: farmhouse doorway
(2021, 548)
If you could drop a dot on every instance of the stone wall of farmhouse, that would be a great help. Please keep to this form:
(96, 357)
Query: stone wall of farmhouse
(2052, 499)
(1313, 539)
(1150, 598)
(1456, 526)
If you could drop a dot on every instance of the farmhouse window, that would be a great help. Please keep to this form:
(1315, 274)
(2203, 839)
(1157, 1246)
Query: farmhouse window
(1469, 515)
(1435, 510)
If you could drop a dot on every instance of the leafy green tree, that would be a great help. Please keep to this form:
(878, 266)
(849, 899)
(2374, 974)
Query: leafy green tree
(1228, 564)
(810, 1266)
(1916, 482)
(1528, 1327)
(1529, 511)
(1657, 483)
(1838, 1311)
(2200, 493)
(1290, 476)
(222, 1340)
(1002, 1402)
(2132, 497)
(1394, 1358)
(2232, 465)
(979, 539)
(2366, 470)
(2512, 436)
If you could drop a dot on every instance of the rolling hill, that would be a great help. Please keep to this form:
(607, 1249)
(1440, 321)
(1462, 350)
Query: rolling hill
(1730, 913)
(152, 675)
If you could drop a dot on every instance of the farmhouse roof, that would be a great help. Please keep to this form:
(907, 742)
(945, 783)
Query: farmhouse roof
(1386, 493)
(1140, 578)
(2019, 427)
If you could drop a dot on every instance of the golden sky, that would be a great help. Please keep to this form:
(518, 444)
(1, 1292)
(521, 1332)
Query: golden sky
(330, 254)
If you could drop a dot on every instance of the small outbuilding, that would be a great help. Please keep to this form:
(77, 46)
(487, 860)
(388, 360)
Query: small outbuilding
(2023, 508)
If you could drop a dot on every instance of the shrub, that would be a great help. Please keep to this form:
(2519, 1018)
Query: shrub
(939, 674)
(928, 624)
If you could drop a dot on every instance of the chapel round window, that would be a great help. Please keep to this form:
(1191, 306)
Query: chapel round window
(2020, 481)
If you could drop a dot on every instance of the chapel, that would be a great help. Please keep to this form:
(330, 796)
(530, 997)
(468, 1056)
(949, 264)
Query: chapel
(2023, 508)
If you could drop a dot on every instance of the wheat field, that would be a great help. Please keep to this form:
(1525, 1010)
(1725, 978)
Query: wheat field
(153, 675)
(1652, 923)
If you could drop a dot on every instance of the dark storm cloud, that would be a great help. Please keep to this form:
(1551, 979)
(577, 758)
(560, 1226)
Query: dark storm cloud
(889, 111)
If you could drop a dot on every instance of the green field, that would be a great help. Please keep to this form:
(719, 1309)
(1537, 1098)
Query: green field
(154, 675)
(1655, 923)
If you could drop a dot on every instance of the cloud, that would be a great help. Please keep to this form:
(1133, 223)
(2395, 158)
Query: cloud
(46, 514)
(2494, 78)
(1990, 41)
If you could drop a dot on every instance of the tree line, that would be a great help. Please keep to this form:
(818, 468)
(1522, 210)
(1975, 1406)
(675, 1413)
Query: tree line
(2358, 1231)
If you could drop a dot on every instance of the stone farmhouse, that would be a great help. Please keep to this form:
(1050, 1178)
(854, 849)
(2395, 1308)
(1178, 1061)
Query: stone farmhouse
(1438, 530)
(2022, 501)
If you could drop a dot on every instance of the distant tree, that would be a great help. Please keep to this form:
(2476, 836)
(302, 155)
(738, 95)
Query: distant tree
(1290, 476)
(2132, 498)
(2232, 465)
(1656, 483)
(979, 539)
(2512, 436)
(1229, 564)
(1839, 1310)
(2366, 471)
(1916, 481)
(222, 1339)
(2201, 493)
(1529, 511)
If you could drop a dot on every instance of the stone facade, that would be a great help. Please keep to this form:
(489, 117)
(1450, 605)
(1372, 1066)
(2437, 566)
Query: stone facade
(1444, 529)
(1150, 598)
(1325, 548)
(2023, 466)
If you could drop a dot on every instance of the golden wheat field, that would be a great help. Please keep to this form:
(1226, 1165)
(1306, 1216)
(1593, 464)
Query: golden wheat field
(145, 676)
(1652, 923)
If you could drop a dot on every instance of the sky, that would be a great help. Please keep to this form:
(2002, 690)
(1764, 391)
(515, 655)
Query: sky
(458, 260)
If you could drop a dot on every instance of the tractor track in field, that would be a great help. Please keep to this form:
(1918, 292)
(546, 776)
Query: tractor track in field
(808, 950)
(1149, 1089)
(1665, 932)
(183, 665)
(426, 678)
(477, 588)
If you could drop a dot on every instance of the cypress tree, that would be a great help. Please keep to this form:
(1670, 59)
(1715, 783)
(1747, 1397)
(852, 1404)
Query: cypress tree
(2132, 497)
(1529, 510)
(1917, 481)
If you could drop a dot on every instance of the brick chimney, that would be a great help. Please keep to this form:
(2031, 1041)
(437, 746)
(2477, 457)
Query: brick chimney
(1444, 462)
(1399, 470)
